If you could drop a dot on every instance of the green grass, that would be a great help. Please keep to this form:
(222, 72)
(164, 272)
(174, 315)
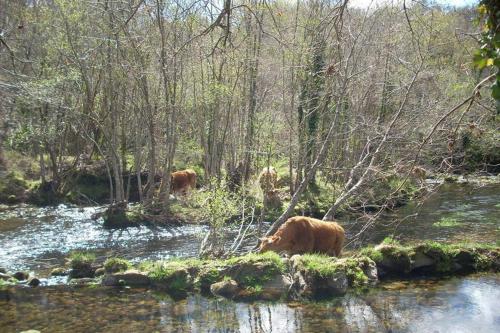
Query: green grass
(371, 253)
(320, 264)
(446, 222)
(113, 265)
(80, 259)
(270, 258)
(174, 273)
(390, 241)
(271, 263)
(327, 267)
(7, 283)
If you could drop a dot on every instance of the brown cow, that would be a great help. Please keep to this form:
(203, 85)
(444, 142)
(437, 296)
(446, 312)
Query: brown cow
(182, 181)
(302, 234)
(267, 179)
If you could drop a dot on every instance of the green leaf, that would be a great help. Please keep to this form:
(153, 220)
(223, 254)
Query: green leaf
(479, 61)
(495, 91)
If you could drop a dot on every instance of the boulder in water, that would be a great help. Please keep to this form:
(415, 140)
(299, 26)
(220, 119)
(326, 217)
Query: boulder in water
(21, 276)
(132, 278)
(59, 271)
(317, 276)
(226, 288)
(33, 282)
(100, 271)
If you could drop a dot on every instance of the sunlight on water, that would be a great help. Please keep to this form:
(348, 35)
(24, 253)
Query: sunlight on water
(458, 305)
(43, 237)
(39, 239)
(472, 209)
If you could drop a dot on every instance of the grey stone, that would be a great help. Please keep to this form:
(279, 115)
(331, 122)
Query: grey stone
(226, 288)
(371, 272)
(276, 288)
(131, 278)
(59, 271)
(81, 281)
(21, 276)
(33, 282)
(420, 260)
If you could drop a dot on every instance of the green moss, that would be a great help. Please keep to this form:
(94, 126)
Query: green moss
(390, 241)
(113, 265)
(319, 264)
(4, 284)
(174, 274)
(254, 269)
(327, 267)
(254, 290)
(372, 253)
(446, 222)
(270, 258)
(79, 259)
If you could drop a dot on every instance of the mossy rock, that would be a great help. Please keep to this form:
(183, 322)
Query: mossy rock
(433, 258)
(253, 270)
(116, 217)
(175, 276)
(81, 264)
(114, 265)
(394, 259)
(208, 275)
(318, 276)
(45, 194)
(131, 278)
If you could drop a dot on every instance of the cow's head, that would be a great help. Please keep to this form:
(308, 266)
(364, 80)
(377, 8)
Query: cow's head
(271, 243)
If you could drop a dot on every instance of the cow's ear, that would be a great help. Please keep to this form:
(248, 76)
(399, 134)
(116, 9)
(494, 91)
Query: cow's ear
(277, 239)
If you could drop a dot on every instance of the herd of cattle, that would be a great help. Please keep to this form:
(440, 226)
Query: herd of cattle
(298, 235)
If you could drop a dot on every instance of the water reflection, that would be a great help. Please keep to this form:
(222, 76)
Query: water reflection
(40, 238)
(459, 305)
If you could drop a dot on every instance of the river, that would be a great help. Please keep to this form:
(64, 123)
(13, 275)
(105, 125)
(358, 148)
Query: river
(39, 239)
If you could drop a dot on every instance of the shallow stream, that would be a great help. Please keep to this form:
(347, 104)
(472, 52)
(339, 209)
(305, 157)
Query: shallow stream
(39, 239)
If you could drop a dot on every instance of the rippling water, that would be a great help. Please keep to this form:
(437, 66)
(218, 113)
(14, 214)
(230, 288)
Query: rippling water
(39, 239)
(459, 305)
(474, 209)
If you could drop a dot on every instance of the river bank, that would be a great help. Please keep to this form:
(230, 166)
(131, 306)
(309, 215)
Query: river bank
(270, 277)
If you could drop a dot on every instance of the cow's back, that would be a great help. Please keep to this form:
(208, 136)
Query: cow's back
(305, 234)
(329, 237)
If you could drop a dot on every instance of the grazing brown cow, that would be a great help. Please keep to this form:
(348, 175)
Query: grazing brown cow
(302, 234)
(182, 181)
(267, 179)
